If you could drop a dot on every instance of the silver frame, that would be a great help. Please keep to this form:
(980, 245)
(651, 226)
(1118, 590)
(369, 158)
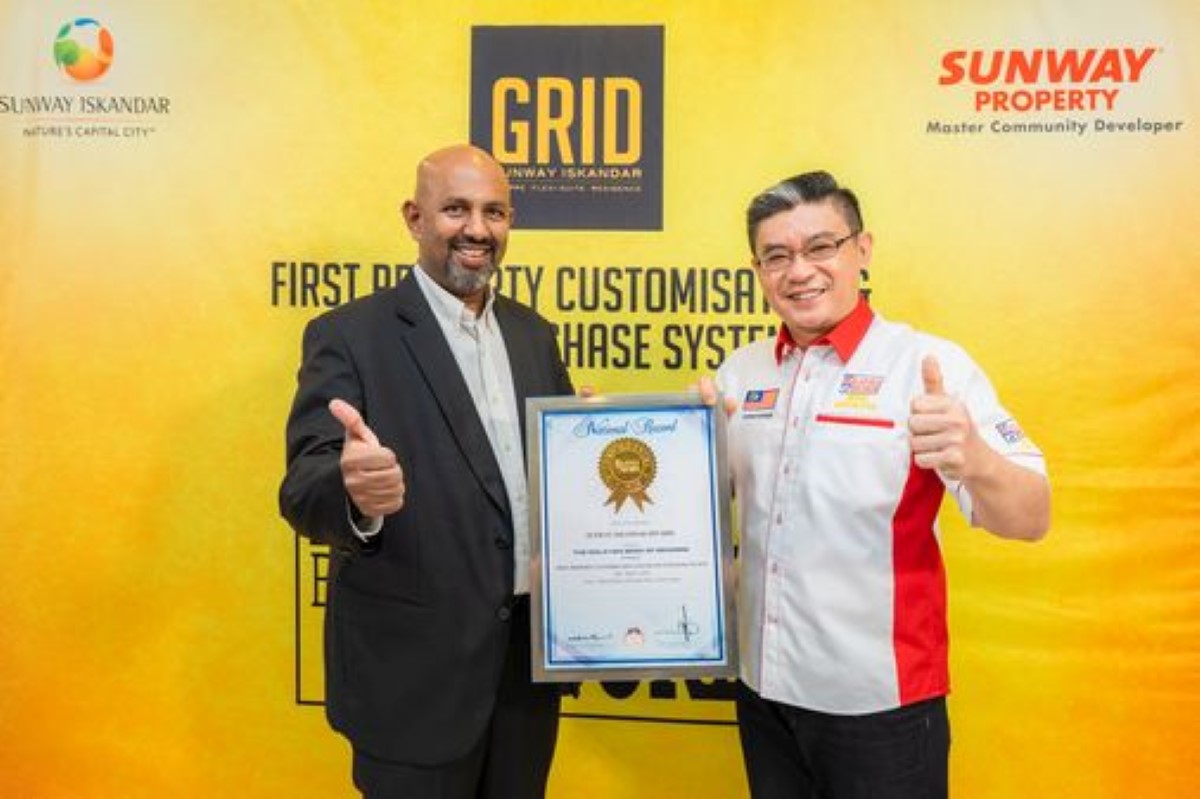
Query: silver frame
(535, 408)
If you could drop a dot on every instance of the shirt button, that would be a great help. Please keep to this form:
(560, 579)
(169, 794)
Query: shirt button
(504, 613)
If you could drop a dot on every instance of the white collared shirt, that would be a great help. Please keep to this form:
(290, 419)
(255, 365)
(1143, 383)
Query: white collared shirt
(478, 347)
(842, 595)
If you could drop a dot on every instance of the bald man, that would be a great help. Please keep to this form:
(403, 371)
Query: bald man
(405, 454)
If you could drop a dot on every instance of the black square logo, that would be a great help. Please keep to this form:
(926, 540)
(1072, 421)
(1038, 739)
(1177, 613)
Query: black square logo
(575, 116)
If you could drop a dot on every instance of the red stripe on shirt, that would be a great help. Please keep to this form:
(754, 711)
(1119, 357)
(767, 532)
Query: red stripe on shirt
(864, 421)
(919, 634)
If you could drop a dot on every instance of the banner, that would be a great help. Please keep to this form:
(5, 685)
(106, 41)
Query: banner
(184, 185)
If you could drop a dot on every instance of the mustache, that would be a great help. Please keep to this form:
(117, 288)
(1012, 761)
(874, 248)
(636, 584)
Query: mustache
(475, 241)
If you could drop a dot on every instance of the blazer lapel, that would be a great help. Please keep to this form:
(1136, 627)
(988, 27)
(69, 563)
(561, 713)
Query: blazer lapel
(423, 337)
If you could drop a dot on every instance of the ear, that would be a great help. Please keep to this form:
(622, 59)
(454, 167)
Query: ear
(866, 244)
(412, 218)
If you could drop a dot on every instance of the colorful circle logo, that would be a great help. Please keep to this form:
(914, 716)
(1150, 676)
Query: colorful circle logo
(83, 49)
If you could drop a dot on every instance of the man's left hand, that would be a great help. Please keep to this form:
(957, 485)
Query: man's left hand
(941, 432)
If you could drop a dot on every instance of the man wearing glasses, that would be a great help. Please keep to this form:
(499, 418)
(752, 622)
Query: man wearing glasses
(845, 432)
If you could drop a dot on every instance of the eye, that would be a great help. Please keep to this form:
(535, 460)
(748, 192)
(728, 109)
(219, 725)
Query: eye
(775, 260)
(455, 210)
(497, 214)
(821, 251)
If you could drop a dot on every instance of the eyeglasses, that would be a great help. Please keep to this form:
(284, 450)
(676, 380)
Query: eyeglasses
(817, 252)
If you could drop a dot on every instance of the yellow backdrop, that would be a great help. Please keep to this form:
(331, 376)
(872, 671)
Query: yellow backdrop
(1039, 209)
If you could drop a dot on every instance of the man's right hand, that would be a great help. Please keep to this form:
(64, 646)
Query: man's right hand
(709, 395)
(370, 472)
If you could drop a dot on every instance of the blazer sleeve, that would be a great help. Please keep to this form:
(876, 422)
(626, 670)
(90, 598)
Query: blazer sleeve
(312, 497)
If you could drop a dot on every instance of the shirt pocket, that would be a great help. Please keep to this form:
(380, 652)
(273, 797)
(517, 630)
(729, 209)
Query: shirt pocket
(858, 462)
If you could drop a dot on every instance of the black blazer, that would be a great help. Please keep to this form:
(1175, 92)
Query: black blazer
(416, 624)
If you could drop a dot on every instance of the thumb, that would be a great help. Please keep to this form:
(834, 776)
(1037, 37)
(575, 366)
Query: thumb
(931, 375)
(706, 387)
(352, 420)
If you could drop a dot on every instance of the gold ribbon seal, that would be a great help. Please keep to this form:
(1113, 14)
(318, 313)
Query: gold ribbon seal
(627, 468)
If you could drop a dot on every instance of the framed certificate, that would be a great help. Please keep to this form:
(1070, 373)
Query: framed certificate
(630, 539)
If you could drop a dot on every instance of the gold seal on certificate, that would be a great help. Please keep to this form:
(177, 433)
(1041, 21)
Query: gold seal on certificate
(627, 468)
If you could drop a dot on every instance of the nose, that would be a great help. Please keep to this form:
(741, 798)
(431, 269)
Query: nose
(800, 268)
(475, 226)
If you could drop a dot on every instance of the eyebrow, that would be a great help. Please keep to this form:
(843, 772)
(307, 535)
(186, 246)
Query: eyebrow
(823, 234)
(469, 202)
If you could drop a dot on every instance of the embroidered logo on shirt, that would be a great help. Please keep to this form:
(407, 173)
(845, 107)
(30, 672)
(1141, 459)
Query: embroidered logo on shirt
(858, 391)
(759, 401)
(1010, 431)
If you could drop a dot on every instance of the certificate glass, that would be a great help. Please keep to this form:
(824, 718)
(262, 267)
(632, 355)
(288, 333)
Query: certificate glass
(632, 562)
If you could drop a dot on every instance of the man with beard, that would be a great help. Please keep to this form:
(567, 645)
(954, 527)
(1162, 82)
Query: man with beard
(405, 455)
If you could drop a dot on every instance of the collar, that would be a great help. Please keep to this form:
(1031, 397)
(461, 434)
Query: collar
(450, 309)
(845, 336)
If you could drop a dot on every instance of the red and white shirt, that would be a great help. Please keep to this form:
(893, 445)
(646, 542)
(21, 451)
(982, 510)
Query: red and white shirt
(842, 591)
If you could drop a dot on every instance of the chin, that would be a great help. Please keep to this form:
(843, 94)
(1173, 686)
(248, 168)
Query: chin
(467, 280)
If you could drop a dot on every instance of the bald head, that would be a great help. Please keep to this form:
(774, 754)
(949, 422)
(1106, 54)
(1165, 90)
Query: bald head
(466, 160)
(459, 216)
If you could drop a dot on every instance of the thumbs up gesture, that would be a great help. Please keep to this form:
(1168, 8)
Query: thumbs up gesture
(941, 432)
(370, 472)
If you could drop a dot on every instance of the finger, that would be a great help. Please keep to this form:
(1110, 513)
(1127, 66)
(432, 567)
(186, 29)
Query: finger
(927, 460)
(377, 490)
(369, 459)
(930, 415)
(929, 442)
(586, 392)
(948, 462)
(931, 375)
(707, 389)
(352, 421)
(931, 405)
(378, 503)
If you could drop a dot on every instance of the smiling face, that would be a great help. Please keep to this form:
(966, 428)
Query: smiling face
(460, 217)
(810, 296)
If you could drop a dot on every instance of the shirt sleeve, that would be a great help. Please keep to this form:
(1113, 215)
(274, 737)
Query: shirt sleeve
(366, 527)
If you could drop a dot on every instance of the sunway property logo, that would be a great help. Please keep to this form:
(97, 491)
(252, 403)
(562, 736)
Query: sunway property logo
(1067, 79)
(83, 49)
(574, 114)
(1073, 90)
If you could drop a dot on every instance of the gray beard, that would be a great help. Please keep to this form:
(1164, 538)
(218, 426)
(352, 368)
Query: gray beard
(466, 281)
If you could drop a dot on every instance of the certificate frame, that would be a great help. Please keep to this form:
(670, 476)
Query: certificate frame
(637, 584)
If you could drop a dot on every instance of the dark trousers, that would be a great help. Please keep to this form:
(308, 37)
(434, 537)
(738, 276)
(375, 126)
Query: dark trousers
(511, 760)
(792, 753)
